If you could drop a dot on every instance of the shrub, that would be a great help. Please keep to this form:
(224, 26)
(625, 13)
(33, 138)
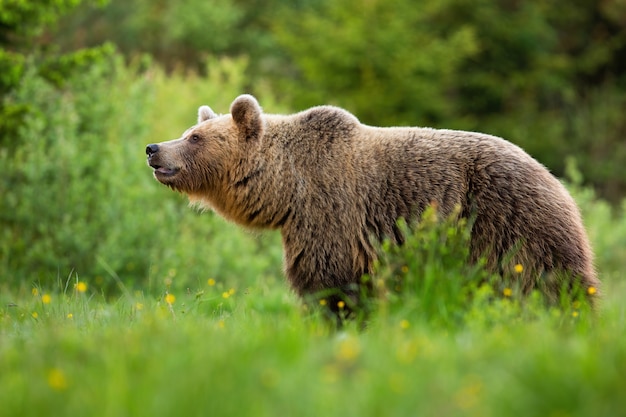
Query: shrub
(66, 170)
(431, 279)
(429, 276)
(79, 199)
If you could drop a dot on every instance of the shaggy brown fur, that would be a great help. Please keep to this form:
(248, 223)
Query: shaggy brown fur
(330, 183)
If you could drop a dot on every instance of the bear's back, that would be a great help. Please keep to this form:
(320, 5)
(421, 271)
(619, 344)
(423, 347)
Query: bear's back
(521, 213)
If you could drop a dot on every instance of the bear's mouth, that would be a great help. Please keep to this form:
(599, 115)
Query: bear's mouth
(163, 172)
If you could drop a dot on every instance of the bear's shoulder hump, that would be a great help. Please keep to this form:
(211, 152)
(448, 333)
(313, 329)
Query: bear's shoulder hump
(328, 117)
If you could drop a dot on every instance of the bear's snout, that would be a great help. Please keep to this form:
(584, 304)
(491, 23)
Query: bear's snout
(163, 170)
(152, 149)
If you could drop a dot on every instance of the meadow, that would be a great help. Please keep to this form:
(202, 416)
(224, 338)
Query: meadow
(119, 300)
(254, 350)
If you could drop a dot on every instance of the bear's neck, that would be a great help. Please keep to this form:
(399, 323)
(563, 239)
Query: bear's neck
(257, 190)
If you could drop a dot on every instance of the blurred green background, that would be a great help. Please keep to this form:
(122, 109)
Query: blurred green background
(86, 85)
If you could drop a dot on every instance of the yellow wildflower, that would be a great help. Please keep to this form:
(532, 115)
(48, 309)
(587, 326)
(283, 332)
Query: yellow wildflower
(80, 286)
(57, 379)
(341, 305)
(574, 313)
(225, 294)
(35, 292)
(518, 268)
(170, 298)
(404, 269)
(211, 282)
(591, 290)
(46, 299)
(70, 316)
(322, 302)
(507, 292)
(35, 314)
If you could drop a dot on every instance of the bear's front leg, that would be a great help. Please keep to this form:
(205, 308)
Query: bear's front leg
(326, 271)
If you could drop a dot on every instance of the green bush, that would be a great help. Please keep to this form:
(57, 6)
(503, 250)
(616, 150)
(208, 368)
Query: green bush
(177, 34)
(390, 63)
(522, 71)
(79, 199)
(65, 172)
(605, 224)
(431, 278)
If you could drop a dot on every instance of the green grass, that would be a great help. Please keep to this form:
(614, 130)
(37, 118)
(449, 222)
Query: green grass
(258, 352)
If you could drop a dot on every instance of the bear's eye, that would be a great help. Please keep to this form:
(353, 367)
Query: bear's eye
(195, 138)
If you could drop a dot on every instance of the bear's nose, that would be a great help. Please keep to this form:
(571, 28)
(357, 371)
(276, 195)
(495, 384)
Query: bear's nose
(152, 149)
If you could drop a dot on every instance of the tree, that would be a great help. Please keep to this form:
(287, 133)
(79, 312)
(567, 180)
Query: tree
(549, 76)
(390, 62)
(21, 21)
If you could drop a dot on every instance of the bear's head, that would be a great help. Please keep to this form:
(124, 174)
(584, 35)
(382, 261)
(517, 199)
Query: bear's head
(203, 158)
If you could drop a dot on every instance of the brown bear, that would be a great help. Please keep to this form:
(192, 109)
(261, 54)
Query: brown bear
(333, 186)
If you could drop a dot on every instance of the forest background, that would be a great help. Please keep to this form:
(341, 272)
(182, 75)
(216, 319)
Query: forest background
(85, 85)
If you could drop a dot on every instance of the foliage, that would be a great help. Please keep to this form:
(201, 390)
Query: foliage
(483, 58)
(605, 224)
(76, 190)
(23, 18)
(20, 23)
(255, 353)
(548, 76)
(517, 70)
(430, 275)
(389, 56)
(59, 194)
(77, 195)
(172, 32)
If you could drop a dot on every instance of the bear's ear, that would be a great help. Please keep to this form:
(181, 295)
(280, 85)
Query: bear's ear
(205, 113)
(247, 115)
